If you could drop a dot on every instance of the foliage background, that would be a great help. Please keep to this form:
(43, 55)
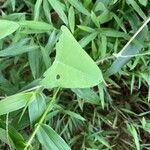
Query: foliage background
(114, 115)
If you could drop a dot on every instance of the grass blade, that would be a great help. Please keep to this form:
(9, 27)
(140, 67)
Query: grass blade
(7, 28)
(50, 139)
(14, 102)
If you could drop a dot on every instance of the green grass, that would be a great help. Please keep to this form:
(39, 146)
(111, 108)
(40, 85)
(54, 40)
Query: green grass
(114, 114)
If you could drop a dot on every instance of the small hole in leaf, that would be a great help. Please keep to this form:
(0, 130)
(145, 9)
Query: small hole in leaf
(57, 76)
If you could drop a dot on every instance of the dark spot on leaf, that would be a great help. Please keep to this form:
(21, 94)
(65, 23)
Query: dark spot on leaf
(57, 76)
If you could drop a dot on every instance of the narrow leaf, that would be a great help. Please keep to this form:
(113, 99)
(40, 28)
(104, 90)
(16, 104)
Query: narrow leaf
(7, 28)
(37, 107)
(37, 9)
(58, 8)
(126, 55)
(50, 139)
(14, 102)
(35, 25)
(78, 5)
(88, 95)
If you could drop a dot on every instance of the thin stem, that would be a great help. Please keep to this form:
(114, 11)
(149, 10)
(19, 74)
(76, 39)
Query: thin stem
(127, 44)
(49, 107)
(33, 88)
(104, 59)
(133, 37)
(126, 56)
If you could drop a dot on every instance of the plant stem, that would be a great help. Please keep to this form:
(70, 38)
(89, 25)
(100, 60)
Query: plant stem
(133, 37)
(49, 107)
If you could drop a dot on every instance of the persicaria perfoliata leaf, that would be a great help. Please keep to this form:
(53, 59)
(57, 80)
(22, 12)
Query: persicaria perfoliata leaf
(73, 67)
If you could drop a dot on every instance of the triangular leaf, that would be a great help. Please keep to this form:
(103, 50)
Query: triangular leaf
(72, 68)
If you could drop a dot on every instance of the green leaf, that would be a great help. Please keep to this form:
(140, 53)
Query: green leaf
(46, 8)
(13, 3)
(95, 19)
(50, 139)
(104, 142)
(37, 9)
(69, 69)
(3, 136)
(105, 17)
(88, 95)
(46, 58)
(86, 28)
(113, 33)
(34, 61)
(132, 49)
(134, 133)
(17, 49)
(101, 94)
(15, 138)
(37, 107)
(71, 19)
(14, 102)
(7, 28)
(119, 22)
(35, 25)
(78, 5)
(59, 9)
(74, 115)
(87, 39)
(103, 46)
(133, 20)
(143, 2)
(132, 83)
(137, 8)
(146, 77)
(94, 51)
